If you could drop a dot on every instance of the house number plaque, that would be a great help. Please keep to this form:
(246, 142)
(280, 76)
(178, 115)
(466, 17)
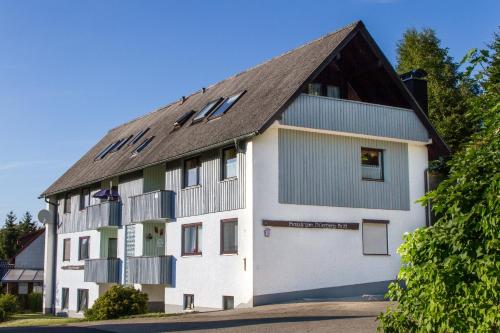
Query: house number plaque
(311, 225)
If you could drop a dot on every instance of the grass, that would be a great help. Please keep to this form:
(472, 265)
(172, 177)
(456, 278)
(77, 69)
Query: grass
(38, 319)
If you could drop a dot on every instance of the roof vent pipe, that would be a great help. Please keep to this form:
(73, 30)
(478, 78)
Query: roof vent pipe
(203, 89)
(417, 85)
(183, 99)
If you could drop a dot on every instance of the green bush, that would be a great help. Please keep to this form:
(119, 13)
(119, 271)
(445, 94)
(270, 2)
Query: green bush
(31, 302)
(118, 301)
(8, 306)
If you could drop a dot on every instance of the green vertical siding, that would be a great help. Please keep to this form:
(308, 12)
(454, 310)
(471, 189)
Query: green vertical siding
(106, 233)
(156, 245)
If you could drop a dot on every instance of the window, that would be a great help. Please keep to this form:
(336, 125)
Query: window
(206, 110)
(112, 247)
(188, 301)
(228, 302)
(105, 150)
(138, 136)
(192, 172)
(314, 89)
(191, 239)
(37, 287)
(22, 288)
(229, 236)
(372, 164)
(83, 248)
(83, 300)
(143, 145)
(229, 162)
(84, 198)
(108, 150)
(122, 143)
(226, 105)
(333, 91)
(64, 298)
(67, 203)
(375, 237)
(182, 119)
(67, 249)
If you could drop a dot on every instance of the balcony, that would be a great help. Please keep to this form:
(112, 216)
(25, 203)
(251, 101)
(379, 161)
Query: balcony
(150, 270)
(105, 270)
(152, 206)
(106, 214)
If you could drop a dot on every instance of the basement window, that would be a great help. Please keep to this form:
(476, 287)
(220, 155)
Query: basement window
(228, 302)
(372, 164)
(143, 146)
(206, 110)
(226, 105)
(188, 301)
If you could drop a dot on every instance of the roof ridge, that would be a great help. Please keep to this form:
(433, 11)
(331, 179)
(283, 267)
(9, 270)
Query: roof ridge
(348, 26)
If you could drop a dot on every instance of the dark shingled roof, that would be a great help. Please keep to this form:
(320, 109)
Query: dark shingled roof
(269, 87)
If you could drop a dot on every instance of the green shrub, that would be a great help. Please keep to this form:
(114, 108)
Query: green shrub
(34, 302)
(8, 306)
(118, 301)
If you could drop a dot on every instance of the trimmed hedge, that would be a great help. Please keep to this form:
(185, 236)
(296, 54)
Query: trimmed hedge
(32, 302)
(117, 302)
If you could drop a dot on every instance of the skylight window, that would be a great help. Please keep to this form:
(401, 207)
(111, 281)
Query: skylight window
(182, 119)
(103, 151)
(226, 105)
(138, 136)
(143, 146)
(123, 142)
(206, 110)
(110, 149)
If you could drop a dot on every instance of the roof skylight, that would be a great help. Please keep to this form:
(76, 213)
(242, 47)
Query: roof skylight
(138, 136)
(224, 106)
(206, 110)
(182, 119)
(143, 145)
(105, 150)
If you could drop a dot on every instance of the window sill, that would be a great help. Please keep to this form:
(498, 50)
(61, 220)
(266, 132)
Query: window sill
(187, 255)
(192, 187)
(372, 180)
(226, 180)
(229, 254)
(377, 254)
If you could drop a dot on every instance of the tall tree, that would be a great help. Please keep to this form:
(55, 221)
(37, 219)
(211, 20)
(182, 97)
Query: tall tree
(9, 237)
(27, 224)
(448, 89)
(452, 269)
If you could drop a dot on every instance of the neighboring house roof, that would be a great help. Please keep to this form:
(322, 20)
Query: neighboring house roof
(270, 87)
(25, 242)
(23, 275)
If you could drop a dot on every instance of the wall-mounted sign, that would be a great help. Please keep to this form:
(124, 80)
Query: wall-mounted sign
(312, 225)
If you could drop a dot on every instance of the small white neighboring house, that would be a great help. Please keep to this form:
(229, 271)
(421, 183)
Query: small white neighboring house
(26, 276)
(294, 179)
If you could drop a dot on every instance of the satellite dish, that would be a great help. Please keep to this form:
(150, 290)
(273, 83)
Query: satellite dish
(45, 217)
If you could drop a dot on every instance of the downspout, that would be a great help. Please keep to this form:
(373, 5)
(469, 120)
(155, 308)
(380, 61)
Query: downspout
(52, 228)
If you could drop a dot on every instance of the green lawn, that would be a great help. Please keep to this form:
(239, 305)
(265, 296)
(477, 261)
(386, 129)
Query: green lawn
(37, 319)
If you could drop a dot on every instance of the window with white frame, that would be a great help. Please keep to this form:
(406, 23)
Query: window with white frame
(192, 172)
(229, 163)
(64, 298)
(375, 237)
(83, 300)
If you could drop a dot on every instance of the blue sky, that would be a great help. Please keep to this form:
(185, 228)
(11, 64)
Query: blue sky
(71, 70)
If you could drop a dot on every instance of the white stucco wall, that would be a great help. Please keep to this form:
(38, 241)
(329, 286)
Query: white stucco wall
(294, 259)
(212, 275)
(73, 279)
